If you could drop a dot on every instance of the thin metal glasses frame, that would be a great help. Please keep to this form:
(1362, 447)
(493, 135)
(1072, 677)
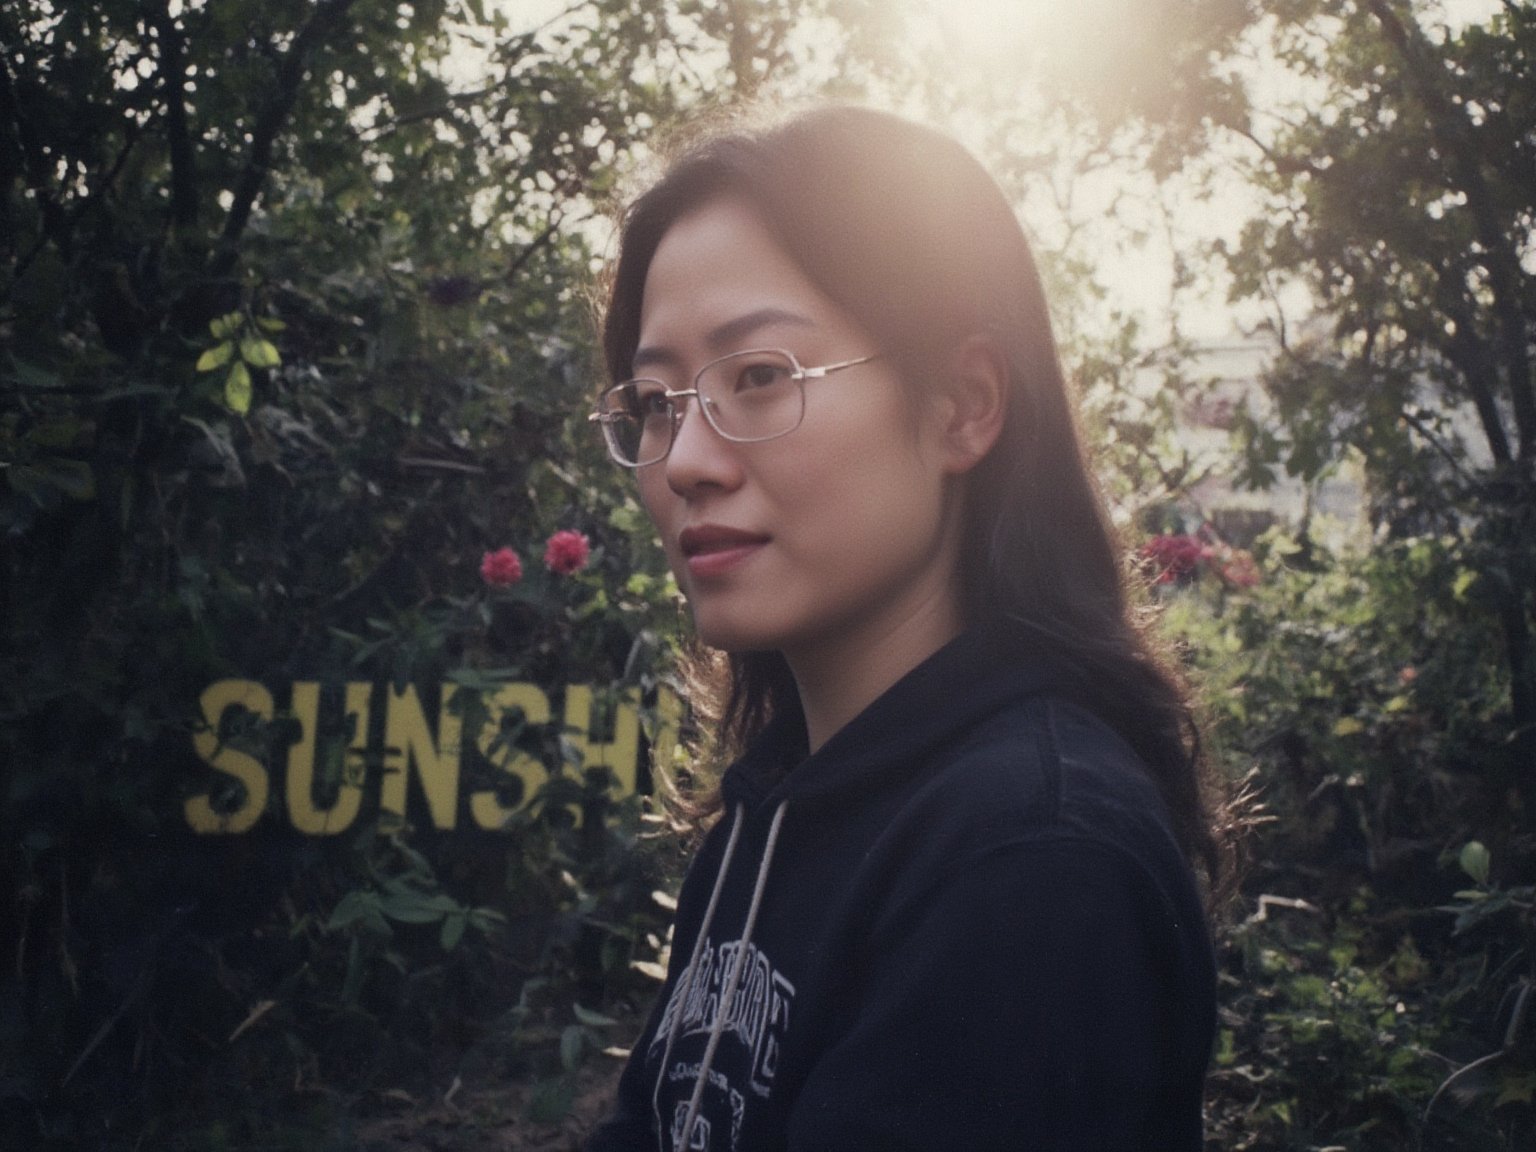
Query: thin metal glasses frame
(799, 374)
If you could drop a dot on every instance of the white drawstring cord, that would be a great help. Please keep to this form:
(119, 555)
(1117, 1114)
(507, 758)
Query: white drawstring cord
(686, 993)
(728, 999)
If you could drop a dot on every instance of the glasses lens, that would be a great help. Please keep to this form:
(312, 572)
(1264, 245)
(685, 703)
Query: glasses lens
(638, 421)
(752, 395)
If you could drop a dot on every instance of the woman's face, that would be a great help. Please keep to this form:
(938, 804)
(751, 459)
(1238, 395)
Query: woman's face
(835, 537)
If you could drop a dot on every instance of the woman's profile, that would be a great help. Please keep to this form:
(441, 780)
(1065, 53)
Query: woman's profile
(950, 900)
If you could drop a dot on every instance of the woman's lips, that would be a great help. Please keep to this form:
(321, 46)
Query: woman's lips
(710, 550)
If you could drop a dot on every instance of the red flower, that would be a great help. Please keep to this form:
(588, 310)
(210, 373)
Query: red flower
(1237, 567)
(567, 552)
(501, 568)
(1173, 557)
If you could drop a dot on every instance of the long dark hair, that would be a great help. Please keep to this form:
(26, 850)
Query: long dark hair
(909, 234)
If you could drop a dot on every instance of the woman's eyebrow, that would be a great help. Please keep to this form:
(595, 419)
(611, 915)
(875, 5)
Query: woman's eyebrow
(649, 356)
(724, 337)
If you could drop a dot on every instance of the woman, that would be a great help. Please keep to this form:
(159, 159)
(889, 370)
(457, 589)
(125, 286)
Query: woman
(949, 902)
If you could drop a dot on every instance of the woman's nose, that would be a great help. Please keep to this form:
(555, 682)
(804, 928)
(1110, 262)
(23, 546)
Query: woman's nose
(700, 455)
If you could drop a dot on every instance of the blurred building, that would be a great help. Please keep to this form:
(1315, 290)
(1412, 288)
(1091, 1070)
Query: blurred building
(1334, 506)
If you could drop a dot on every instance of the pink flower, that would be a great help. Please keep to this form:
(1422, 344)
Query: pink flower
(567, 552)
(501, 568)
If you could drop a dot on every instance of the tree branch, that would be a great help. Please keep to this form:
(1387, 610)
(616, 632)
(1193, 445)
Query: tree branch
(470, 97)
(1284, 165)
(173, 80)
(1435, 442)
(1471, 357)
(81, 208)
(1453, 133)
(109, 177)
(290, 77)
(533, 246)
(55, 226)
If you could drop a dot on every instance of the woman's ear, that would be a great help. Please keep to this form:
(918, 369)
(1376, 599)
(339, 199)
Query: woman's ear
(972, 402)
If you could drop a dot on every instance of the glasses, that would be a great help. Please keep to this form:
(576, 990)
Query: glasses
(747, 397)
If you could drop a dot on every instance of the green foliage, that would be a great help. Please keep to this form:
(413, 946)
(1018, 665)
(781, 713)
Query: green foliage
(1370, 664)
(240, 352)
(1400, 196)
(293, 336)
(1368, 1002)
(1381, 700)
(1323, 1041)
(295, 330)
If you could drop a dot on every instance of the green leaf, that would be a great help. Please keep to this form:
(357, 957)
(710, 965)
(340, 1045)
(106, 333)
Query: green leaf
(1517, 1089)
(1474, 860)
(1463, 583)
(74, 478)
(1347, 726)
(414, 908)
(215, 357)
(360, 908)
(571, 1042)
(486, 919)
(32, 376)
(64, 432)
(237, 389)
(352, 983)
(71, 477)
(259, 353)
(592, 1019)
(1226, 1049)
(453, 931)
(270, 324)
(551, 1100)
(482, 679)
(225, 326)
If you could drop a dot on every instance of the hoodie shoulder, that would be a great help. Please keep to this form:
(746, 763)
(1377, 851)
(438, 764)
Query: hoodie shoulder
(1043, 768)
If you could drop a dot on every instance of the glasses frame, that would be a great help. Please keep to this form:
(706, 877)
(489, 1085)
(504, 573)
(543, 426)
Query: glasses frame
(799, 374)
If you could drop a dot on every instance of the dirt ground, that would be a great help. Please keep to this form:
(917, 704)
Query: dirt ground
(490, 1118)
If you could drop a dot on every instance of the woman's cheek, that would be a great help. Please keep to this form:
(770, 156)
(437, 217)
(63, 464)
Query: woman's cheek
(656, 498)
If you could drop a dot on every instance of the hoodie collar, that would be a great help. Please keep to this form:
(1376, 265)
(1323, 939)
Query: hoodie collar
(964, 682)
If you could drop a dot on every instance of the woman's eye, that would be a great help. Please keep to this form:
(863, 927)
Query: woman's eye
(755, 376)
(651, 403)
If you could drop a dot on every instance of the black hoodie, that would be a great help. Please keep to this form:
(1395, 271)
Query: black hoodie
(974, 930)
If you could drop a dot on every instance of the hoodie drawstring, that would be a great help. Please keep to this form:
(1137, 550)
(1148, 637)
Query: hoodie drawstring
(738, 965)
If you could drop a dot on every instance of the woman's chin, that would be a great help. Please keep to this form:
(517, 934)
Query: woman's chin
(729, 642)
(731, 635)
